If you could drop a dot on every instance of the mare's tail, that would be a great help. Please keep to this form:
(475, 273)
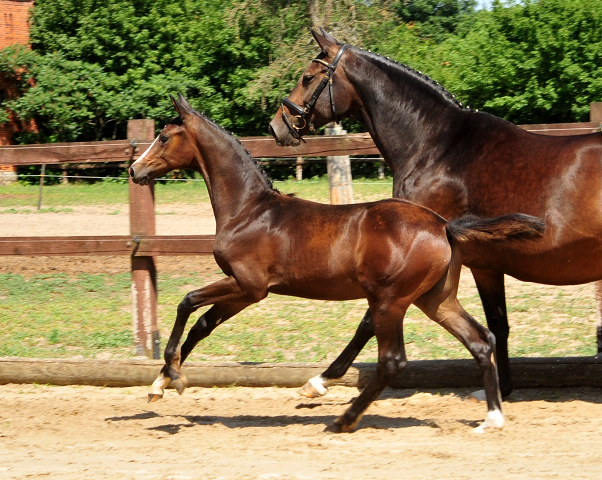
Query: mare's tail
(507, 227)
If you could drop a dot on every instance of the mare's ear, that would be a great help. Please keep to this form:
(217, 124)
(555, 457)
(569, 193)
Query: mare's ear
(327, 42)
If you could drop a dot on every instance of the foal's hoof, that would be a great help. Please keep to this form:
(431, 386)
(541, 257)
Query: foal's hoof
(495, 420)
(153, 397)
(340, 425)
(313, 388)
(180, 384)
(157, 388)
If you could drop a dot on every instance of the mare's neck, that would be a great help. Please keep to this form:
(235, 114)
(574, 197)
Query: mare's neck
(235, 184)
(412, 121)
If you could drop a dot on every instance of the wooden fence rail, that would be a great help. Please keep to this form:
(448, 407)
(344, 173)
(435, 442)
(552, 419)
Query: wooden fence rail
(143, 245)
(132, 245)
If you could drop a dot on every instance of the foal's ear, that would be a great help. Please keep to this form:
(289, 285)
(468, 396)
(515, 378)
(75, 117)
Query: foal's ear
(183, 108)
(175, 104)
(184, 102)
(327, 42)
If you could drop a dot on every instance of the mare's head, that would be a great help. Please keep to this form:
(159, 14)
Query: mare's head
(322, 95)
(173, 149)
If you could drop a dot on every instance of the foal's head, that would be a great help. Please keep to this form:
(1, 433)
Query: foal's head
(322, 95)
(173, 149)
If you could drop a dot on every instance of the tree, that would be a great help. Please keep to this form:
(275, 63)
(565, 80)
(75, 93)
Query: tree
(537, 62)
(434, 19)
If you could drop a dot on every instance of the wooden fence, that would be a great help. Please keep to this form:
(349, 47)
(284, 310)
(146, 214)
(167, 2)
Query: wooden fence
(143, 245)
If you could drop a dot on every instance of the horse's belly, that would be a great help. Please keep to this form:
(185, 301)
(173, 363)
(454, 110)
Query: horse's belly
(321, 289)
(574, 263)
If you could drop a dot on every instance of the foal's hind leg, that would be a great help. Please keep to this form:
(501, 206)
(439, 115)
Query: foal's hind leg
(226, 291)
(318, 385)
(391, 360)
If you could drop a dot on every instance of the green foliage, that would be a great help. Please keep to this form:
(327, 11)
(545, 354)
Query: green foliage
(97, 64)
(537, 62)
(434, 19)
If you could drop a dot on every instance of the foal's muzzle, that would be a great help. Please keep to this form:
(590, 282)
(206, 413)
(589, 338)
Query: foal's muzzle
(140, 180)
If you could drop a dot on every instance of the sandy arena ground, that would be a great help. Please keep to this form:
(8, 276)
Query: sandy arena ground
(269, 433)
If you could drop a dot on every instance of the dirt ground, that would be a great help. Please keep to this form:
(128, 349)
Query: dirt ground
(270, 433)
(171, 219)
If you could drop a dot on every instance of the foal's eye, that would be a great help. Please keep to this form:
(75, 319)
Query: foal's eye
(163, 138)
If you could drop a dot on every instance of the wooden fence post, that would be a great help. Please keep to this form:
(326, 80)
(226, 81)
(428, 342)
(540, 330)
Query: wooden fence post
(144, 272)
(339, 172)
(299, 168)
(595, 115)
(595, 112)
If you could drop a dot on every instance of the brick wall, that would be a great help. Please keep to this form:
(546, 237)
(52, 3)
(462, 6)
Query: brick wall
(14, 22)
(14, 29)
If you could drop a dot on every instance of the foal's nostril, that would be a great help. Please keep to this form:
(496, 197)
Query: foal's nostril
(131, 171)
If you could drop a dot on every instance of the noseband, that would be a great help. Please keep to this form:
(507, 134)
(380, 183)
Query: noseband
(302, 112)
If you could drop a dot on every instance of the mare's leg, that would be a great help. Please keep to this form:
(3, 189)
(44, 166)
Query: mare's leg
(318, 385)
(225, 291)
(599, 316)
(479, 341)
(492, 293)
(388, 325)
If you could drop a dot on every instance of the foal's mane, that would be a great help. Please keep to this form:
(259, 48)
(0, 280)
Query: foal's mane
(236, 143)
(401, 71)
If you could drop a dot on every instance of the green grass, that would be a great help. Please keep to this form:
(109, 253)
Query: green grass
(17, 198)
(89, 316)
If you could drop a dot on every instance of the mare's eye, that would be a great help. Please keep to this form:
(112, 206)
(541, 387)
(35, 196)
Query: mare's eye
(307, 78)
(163, 138)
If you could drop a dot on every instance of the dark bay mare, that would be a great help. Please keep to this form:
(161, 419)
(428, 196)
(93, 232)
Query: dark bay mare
(457, 161)
(393, 252)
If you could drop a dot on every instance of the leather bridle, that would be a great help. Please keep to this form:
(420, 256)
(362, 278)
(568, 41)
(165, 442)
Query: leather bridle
(303, 112)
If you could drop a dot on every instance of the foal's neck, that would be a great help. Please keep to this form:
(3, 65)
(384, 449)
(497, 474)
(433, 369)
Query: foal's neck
(235, 183)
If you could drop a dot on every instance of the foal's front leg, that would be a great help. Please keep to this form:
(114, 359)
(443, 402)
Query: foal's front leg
(232, 300)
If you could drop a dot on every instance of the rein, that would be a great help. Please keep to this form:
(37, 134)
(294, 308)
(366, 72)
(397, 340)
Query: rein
(303, 112)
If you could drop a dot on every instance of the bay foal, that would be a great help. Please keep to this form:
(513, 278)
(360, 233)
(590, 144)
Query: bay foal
(393, 252)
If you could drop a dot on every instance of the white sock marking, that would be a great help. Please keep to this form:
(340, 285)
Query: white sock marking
(495, 419)
(319, 384)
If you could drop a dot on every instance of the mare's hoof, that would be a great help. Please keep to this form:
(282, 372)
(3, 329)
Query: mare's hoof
(478, 396)
(180, 384)
(153, 397)
(313, 388)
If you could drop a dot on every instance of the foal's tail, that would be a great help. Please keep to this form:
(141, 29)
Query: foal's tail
(507, 227)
